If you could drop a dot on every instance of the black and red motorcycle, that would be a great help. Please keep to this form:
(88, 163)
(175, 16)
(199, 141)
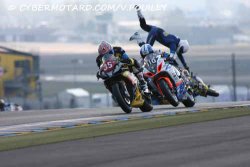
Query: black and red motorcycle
(123, 85)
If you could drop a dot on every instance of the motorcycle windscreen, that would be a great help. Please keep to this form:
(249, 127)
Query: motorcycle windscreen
(107, 56)
(109, 63)
(151, 63)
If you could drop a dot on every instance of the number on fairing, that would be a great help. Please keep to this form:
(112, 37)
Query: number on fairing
(151, 61)
(107, 66)
(110, 65)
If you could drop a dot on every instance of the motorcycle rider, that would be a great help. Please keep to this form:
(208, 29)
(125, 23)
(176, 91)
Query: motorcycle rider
(175, 44)
(105, 48)
(147, 49)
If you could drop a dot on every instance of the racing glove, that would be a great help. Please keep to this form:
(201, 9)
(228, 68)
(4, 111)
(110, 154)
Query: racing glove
(169, 57)
(98, 76)
(172, 56)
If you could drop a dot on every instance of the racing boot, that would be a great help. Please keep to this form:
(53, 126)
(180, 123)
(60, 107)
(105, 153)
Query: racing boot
(136, 36)
(144, 87)
(138, 10)
(143, 84)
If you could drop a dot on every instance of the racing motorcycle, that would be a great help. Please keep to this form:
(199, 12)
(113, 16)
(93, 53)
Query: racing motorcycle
(174, 89)
(123, 85)
(200, 88)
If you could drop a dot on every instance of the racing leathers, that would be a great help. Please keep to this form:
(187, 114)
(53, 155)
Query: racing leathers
(133, 63)
(175, 44)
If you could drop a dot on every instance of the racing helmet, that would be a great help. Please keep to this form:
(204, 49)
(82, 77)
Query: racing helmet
(146, 49)
(104, 48)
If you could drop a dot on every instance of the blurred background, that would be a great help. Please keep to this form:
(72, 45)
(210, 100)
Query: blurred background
(48, 47)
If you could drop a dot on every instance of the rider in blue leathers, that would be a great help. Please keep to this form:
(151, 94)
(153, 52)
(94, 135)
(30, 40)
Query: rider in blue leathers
(175, 44)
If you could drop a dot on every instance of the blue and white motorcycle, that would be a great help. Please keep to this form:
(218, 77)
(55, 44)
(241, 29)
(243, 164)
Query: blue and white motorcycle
(167, 82)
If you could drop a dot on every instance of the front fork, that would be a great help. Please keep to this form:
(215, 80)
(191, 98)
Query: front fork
(153, 88)
(137, 99)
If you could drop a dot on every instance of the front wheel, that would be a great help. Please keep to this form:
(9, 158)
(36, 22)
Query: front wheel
(147, 106)
(169, 95)
(122, 100)
(211, 92)
(190, 101)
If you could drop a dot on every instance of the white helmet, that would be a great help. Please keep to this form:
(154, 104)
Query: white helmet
(146, 49)
(184, 44)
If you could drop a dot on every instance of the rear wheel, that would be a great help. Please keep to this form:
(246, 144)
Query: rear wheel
(169, 95)
(211, 92)
(121, 98)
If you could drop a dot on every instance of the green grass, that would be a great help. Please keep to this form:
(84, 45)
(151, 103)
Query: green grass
(9, 143)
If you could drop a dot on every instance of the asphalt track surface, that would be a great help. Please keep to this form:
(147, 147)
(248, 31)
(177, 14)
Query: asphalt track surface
(223, 143)
(24, 117)
(215, 143)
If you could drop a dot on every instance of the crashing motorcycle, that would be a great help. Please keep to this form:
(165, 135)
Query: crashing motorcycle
(200, 88)
(123, 85)
(166, 82)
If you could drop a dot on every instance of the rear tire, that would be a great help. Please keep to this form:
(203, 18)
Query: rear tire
(211, 92)
(120, 99)
(171, 97)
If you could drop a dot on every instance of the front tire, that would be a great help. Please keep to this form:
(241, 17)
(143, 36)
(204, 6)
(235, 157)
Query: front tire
(122, 102)
(147, 106)
(189, 102)
(170, 96)
(211, 92)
